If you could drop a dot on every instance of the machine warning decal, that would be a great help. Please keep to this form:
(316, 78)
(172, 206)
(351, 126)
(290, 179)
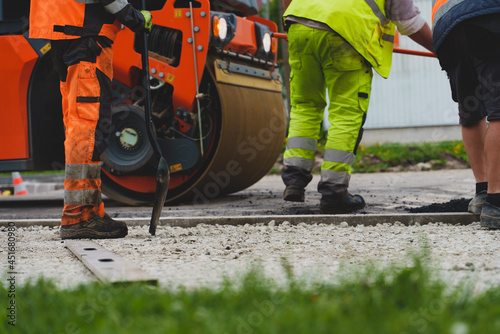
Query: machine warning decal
(46, 48)
(175, 168)
(170, 77)
(178, 13)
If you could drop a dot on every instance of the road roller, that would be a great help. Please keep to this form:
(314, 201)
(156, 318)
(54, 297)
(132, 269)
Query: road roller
(216, 101)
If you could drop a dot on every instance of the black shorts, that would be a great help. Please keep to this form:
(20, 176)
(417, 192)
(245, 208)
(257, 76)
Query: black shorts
(470, 54)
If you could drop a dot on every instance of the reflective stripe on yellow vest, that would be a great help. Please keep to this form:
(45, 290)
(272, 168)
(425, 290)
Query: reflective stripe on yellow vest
(362, 23)
(70, 19)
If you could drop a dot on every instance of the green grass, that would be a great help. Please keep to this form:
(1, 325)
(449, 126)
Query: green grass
(390, 155)
(45, 172)
(381, 157)
(399, 300)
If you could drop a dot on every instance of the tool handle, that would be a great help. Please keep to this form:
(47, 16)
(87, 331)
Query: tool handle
(414, 52)
(280, 35)
(147, 98)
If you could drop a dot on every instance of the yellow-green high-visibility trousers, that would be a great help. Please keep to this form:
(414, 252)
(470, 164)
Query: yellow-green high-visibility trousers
(321, 60)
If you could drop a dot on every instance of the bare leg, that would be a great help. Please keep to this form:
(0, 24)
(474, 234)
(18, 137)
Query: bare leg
(492, 149)
(474, 142)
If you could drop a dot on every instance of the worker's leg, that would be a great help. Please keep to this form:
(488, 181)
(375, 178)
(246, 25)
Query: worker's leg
(474, 140)
(490, 214)
(87, 101)
(348, 78)
(492, 149)
(458, 60)
(486, 60)
(473, 137)
(82, 197)
(307, 97)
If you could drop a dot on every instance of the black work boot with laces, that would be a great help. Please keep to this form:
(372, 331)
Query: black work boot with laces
(337, 200)
(95, 228)
(294, 193)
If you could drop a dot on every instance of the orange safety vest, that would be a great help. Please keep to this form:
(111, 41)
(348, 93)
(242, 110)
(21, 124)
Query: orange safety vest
(70, 19)
(436, 6)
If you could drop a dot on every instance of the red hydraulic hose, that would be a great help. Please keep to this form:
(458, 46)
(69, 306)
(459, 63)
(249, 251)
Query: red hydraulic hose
(415, 53)
(280, 35)
(396, 50)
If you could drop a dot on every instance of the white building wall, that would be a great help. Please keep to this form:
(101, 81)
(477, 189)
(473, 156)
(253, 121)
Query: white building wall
(417, 92)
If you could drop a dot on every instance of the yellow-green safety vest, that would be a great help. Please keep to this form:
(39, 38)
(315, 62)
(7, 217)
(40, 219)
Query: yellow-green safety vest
(362, 23)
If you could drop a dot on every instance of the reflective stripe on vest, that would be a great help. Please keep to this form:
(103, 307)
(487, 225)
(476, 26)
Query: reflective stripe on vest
(362, 23)
(441, 7)
(115, 6)
(112, 6)
(91, 172)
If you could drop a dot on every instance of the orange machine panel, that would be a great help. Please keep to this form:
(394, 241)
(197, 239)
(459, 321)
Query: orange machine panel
(18, 60)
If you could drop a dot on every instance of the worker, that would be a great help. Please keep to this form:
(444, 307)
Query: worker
(81, 34)
(334, 45)
(467, 44)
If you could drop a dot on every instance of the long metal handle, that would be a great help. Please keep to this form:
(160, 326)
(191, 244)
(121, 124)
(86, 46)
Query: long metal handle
(147, 103)
(414, 52)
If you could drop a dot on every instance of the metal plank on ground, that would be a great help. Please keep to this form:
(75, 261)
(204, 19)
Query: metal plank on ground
(106, 265)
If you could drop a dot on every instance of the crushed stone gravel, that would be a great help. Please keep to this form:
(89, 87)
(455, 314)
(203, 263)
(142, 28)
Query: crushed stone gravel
(206, 254)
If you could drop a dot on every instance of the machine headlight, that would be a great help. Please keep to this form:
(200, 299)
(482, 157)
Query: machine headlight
(223, 28)
(263, 36)
(266, 42)
(219, 26)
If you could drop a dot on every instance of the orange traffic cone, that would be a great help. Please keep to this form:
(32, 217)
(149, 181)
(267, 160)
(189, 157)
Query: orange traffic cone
(19, 186)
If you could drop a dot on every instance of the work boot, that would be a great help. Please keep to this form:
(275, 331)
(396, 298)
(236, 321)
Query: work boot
(95, 228)
(295, 179)
(490, 216)
(294, 193)
(337, 206)
(336, 199)
(476, 204)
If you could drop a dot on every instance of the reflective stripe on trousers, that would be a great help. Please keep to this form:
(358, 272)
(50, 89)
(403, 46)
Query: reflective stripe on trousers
(320, 60)
(300, 152)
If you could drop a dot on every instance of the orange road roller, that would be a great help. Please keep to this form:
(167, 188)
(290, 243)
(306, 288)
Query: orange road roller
(217, 105)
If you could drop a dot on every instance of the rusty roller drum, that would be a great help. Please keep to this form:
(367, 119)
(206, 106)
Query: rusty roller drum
(248, 139)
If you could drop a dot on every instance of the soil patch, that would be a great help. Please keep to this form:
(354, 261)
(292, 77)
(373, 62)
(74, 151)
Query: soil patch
(455, 205)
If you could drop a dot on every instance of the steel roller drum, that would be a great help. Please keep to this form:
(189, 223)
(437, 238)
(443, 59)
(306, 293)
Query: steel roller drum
(250, 134)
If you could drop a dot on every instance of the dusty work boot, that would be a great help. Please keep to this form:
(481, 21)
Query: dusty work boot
(350, 203)
(336, 199)
(294, 193)
(490, 216)
(95, 228)
(476, 204)
(295, 179)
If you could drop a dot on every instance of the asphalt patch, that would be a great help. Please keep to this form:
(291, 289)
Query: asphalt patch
(455, 205)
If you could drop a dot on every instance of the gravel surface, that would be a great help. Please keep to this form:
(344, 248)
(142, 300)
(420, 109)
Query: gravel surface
(204, 255)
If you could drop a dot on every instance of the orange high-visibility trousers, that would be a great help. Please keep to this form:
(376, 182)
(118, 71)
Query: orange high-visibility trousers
(86, 102)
